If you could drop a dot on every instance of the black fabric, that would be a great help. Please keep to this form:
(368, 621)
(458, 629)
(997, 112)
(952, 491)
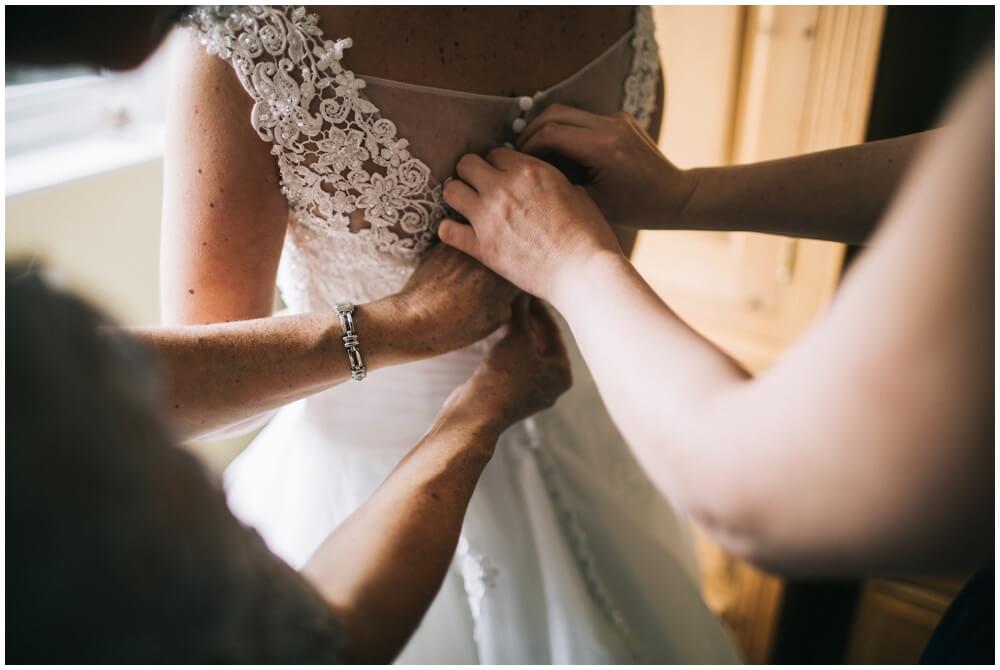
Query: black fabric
(965, 633)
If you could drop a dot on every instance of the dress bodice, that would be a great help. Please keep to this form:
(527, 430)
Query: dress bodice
(362, 159)
(567, 553)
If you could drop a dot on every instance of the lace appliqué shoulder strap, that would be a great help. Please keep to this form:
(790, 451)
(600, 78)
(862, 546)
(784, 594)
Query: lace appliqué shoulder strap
(337, 156)
(640, 86)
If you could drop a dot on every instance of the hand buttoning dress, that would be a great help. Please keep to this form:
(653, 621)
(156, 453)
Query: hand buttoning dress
(568, 554)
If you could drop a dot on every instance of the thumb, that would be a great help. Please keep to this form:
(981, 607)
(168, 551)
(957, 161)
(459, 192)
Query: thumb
(573, 142)
(548, 339)
(520, 313)
(460, 236)
(519, 325)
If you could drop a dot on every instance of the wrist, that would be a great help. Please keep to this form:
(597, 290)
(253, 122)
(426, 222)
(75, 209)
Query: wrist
(470, 424)
(483, 404)
(574, 280)
(689, 213)
(412, 327)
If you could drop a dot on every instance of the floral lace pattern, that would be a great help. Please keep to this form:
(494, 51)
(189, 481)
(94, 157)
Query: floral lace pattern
(343, 167)
(478, 576)
(640, 86)
(362, 206)
(336, 154)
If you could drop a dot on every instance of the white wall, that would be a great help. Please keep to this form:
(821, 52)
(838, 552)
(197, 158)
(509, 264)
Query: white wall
(100, 234)
(101, 237)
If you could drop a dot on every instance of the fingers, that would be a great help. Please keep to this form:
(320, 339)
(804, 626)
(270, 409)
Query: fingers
(584, 145)
(460, 236)
(551, 349)
(461, 197)
(507, 291)
(507, 160)
(503, 158)
(548, 338)
(518, 323)
(570, 116)
(521, 312)
(475, 171)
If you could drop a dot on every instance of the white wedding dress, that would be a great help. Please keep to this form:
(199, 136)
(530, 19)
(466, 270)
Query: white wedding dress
(568, 554)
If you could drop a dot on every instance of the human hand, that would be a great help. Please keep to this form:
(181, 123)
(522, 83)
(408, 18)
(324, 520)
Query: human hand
(522, 374)
(625, 173)
(454, 299)
(529, 223)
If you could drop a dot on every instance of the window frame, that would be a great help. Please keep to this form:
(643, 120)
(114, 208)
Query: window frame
(70, 128)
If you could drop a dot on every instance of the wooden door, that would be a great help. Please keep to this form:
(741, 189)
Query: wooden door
(747, 84)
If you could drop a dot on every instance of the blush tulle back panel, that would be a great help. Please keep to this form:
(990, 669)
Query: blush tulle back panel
(366, 158)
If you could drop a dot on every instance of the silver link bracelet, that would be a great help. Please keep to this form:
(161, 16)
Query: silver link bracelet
(345, 311)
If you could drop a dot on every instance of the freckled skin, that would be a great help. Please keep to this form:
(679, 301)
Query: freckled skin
(508, 51)
(232, 369)
(489, 50)
(224, 218)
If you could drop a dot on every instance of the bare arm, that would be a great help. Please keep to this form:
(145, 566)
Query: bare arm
(217, 375)
(132, 542)
(838, 195)
(382, 567)
(223, 227)
(867, 447)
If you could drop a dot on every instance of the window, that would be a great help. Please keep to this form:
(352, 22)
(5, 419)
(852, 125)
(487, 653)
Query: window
(19, 75)
(71, 122)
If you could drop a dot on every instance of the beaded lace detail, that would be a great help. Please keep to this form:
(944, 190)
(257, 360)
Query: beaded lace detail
(336, 154)
(478, 576)
(578, 541)
(640, 85)
(359, 200)
(362, 208)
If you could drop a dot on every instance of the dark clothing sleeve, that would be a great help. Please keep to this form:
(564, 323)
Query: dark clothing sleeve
(119, 546)
(144, 565)
(966, 633)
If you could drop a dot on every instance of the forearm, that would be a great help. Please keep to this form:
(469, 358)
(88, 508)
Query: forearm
(659, 379)
(837, 195)
(219, 374)
(383, 566)
(849, 433)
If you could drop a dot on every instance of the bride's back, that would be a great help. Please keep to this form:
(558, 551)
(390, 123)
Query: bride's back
(364, 112)
(331, 153)
(504, 51)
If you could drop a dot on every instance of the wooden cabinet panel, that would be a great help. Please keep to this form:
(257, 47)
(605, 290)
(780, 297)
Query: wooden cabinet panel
(755, 294)
(746, 599)
(895, 620)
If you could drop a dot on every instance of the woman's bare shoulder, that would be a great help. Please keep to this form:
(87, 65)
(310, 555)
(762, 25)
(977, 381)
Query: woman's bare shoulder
(205, 77)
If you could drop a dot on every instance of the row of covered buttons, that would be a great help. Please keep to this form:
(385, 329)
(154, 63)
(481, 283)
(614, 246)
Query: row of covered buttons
(524, 103)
